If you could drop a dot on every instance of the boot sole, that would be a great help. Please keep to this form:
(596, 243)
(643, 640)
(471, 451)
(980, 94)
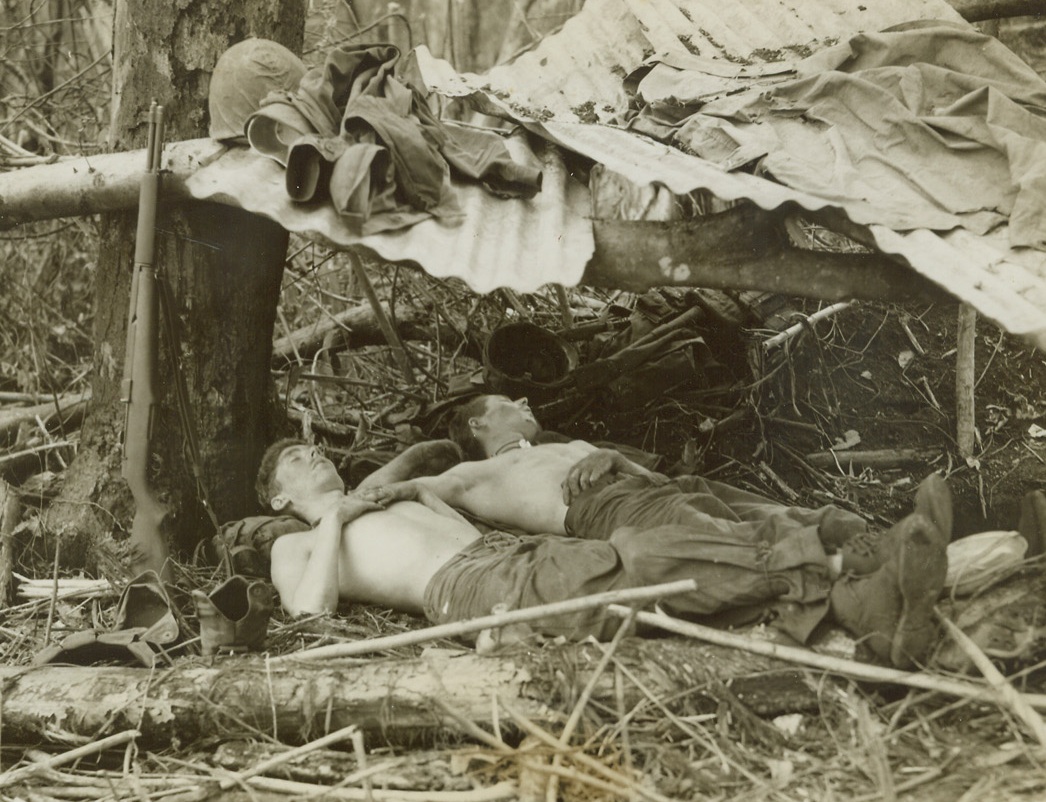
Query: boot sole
(922, 567)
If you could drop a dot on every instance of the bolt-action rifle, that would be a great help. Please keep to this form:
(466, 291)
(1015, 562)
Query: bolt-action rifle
(139, 388)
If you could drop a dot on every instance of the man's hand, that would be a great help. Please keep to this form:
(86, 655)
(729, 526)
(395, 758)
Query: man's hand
(590, 470)
(351, 507)
(412, 490)
(598, 465)
(389, 494)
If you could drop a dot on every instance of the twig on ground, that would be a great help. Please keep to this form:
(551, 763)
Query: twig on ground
(610, 774)
(458, 628)
(24, 772)
(586, 693)
(1006, 692)
(792, 331)
(848, 668)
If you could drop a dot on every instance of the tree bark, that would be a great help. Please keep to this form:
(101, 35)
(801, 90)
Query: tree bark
(394, 701)
(224, 267)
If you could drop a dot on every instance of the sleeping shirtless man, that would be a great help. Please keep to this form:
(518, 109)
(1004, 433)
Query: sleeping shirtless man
(406, 549)
(574, 488)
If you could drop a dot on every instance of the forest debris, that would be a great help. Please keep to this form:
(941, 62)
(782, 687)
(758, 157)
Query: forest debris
(19, 461)
(358, 324)
(70, 407)
(67, 586)
(392, 337)
(837, 665)
(904, 320)
(784, 336)
(500, 791)
(622, 785)
(1007, 694)
(436, 769)
(24, 772)
(456, 629)
(345, 733)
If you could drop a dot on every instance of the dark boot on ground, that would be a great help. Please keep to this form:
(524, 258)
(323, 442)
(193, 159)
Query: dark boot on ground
(234, 617)
(1032, 526)
(891, 611)
(865, 552)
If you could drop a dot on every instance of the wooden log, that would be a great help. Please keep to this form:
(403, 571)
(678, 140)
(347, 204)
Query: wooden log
(70, 408)
(359, 325)
(87, 185)
(882, 458)
(741, 249)
(392, 701)
(10, 511)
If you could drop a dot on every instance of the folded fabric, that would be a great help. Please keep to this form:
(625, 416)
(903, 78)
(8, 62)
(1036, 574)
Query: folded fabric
(352, 132)
(418, 165)
(348, 72)
(310, 162)
(274, 127)
(482, 155)
(363, 184)
(926, 125)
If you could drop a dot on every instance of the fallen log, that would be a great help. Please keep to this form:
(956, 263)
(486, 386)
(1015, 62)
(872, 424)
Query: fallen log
(392, 701)
(882, 458)
(356, 326)
(68, 408)
(87, 185)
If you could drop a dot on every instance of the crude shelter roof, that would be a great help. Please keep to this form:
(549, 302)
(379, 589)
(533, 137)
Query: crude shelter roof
(579, 87)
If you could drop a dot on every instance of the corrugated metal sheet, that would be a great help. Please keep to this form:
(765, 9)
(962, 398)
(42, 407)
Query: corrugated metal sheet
(572, 79)
(501, 243)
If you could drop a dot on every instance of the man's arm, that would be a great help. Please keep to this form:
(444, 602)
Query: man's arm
(450, 487)
(307, 578)
(434, 493)
(593, 467)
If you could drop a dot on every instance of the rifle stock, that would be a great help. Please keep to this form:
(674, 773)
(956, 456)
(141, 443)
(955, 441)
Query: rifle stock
(139, 389)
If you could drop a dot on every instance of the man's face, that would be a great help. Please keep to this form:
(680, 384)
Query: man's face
(302, 471)
(505, 415)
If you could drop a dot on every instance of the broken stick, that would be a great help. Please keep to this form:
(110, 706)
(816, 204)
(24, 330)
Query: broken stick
(964, 689)
(458, 628)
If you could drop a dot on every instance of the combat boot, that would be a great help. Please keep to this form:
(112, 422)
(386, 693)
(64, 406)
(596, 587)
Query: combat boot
(234, 617)
(1032, 525)
(891, 610)
(866, 551)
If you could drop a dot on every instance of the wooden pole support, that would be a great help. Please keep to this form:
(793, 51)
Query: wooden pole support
(965, 425)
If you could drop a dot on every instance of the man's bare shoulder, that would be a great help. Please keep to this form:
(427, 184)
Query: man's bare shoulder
(291, 544)
(571, 446)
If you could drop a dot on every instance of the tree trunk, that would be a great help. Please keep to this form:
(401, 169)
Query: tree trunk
(224, 267)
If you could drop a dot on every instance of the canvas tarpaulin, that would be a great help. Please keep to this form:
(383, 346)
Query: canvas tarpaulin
(926, 125)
